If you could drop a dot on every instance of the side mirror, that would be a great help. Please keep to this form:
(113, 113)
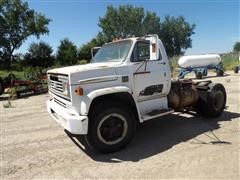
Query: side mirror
(94, 50)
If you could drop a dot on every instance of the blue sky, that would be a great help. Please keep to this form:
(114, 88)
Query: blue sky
(217, 22)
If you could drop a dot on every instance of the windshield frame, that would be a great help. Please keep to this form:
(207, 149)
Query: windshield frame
(120, 60)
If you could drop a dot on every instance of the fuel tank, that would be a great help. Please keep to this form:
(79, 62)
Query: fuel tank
(182, 94)
(199, 60)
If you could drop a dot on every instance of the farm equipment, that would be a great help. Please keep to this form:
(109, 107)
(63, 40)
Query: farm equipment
(200, 65)
(22, 88)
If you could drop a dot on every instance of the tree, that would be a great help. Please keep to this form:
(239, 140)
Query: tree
(176, 35)
(236, 47)
(126, 21)
(121, 22)
(85, 50)
(39, 54)
(17, 23)
(67, 53)
(151, 24)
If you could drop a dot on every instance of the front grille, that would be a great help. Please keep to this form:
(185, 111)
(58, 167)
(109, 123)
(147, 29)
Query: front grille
(56, 86)
(60, 103)
(56, 83)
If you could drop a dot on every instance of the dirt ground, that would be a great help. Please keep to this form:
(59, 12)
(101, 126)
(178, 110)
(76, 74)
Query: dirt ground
(34, 146)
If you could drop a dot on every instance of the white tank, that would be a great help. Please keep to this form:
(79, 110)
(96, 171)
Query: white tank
(199, 60)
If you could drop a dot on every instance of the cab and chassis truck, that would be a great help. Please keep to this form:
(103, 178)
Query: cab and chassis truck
(127, 82)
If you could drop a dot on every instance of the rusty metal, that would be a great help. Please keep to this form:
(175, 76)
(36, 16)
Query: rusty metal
(183, 94)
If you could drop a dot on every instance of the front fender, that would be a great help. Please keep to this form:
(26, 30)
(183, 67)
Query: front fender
(87, 100)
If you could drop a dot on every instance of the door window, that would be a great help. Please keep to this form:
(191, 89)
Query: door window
(141, 52)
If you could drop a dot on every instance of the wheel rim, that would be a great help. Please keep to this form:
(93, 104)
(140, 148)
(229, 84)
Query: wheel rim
(112, 129)
(218, 100)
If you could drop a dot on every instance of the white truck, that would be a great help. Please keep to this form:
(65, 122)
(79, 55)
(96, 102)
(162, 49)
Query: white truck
(127, 82)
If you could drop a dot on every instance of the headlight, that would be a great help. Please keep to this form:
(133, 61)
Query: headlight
(65, 88)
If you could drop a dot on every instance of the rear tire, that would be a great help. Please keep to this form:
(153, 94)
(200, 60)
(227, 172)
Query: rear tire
(111, 128)
(216, 101)
(199, 75)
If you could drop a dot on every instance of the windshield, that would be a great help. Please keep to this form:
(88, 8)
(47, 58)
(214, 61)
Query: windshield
(113, 52)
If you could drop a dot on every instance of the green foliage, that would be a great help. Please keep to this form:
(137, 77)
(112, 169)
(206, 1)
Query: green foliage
(230, 61)
(126, 21)
(123, 21)
(85, 50)
(34, 73)
(17, 23)
(82, 62)
(66, 53)
(176, 35)
(236, 47)
(18, 74)
(151, 24)
(39, 54)
(17, 66)
(173, 62)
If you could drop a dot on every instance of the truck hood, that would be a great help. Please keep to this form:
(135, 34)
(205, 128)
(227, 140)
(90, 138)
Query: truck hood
(80, 68)
(87, 71)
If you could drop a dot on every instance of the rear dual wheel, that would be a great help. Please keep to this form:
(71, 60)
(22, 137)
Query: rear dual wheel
(215, 101)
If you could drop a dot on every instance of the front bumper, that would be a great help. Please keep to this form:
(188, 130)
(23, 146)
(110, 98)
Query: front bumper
(68, 119)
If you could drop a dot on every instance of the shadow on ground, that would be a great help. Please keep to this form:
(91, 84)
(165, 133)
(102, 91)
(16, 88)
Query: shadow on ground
(159, 135)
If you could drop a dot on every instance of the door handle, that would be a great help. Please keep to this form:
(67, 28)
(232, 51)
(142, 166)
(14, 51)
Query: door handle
(163, 63)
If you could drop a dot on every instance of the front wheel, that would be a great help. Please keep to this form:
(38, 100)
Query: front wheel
(111, 128)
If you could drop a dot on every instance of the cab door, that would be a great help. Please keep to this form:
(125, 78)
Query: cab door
(150, 71)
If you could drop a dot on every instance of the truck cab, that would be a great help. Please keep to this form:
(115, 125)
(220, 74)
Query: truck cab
(127, 81)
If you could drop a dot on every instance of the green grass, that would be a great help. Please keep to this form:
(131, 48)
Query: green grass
(18, 74)
(230, 60)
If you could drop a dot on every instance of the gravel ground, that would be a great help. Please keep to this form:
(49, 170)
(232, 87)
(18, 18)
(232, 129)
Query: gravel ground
(34, 146)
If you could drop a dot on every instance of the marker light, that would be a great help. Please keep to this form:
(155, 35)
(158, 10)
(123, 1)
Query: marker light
(79, 91)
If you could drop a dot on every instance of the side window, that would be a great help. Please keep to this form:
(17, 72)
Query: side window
(160, 55)
(141, 52)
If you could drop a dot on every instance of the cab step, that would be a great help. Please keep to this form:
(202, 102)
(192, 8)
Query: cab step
(157, 113)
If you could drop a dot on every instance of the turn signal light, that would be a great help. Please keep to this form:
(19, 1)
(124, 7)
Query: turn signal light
(79, 91)
(153, 48)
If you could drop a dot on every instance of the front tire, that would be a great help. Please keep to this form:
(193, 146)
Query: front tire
(111, 128)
